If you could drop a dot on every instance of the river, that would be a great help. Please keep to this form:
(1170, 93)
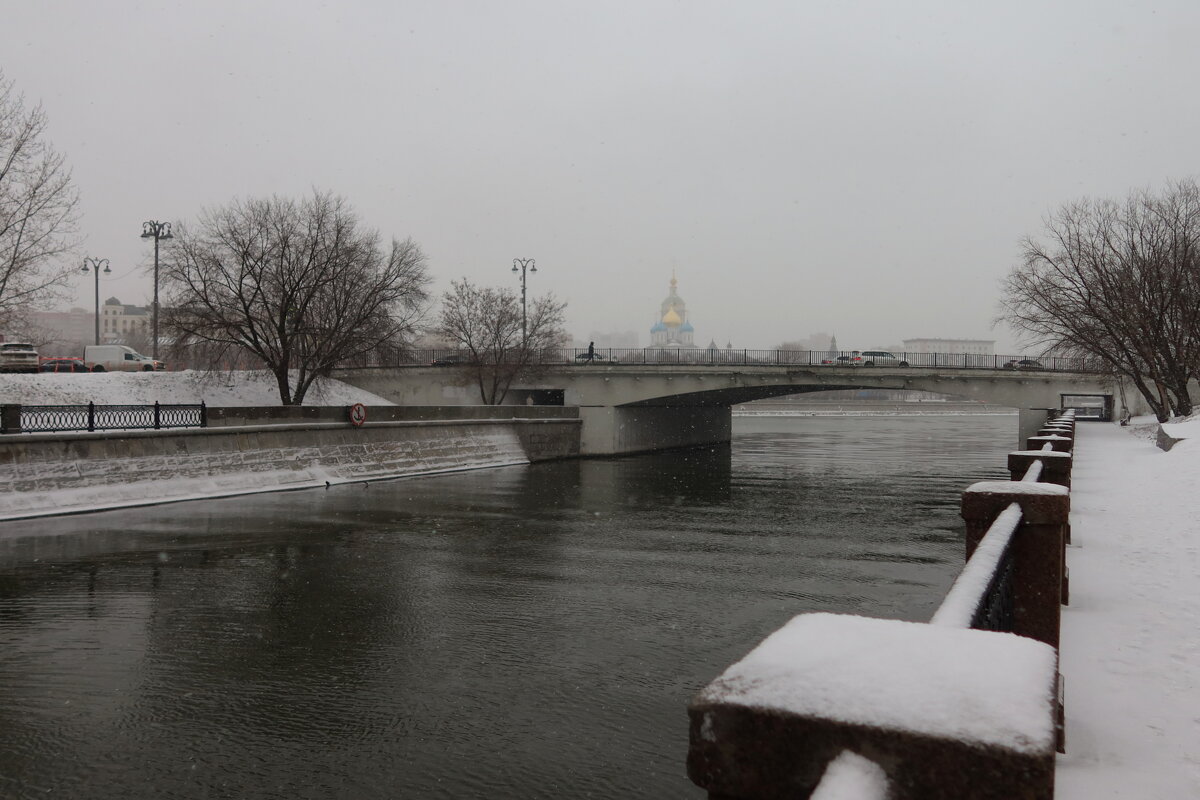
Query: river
(527, 632)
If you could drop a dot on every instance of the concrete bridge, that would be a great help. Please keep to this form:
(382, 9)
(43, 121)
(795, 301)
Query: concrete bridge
(627, 408)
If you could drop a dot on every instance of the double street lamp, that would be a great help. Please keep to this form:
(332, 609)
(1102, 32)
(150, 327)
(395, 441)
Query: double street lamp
(157, 231)
(95, 263)
(522, 264)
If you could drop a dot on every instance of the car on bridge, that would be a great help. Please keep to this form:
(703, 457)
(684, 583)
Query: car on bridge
(868, 358)
(1024, 363)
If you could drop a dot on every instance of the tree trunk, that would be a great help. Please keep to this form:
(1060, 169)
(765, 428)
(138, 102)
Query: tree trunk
(285, 390)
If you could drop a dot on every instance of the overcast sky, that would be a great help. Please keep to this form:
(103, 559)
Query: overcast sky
(861, 168)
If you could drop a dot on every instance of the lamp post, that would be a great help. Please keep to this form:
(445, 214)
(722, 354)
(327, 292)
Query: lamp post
(96, 262)
(523, 263)
(155, 230)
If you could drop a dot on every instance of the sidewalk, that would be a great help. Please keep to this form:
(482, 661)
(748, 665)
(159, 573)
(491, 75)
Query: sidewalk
(1130, 650)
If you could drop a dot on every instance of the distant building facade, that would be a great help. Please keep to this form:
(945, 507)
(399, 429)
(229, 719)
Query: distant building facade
(122, 324)
(974, 347)
(66, 332)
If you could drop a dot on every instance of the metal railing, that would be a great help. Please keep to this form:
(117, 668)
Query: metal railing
(982, 595)
(743, 357)
(92, 417)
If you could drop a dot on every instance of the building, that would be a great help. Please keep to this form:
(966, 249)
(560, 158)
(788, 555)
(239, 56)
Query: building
(64, 332)
(673, 330)
(122, 324)
(973, 347)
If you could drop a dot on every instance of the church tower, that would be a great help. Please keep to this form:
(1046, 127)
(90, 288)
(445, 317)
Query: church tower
(673, 329)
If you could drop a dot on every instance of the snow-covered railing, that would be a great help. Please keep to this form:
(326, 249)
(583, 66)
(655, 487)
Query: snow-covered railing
(965, 707)
(981, 596)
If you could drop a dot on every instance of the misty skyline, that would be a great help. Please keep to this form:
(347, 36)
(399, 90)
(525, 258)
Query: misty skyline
(862, 169)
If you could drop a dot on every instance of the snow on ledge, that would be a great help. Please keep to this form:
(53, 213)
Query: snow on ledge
(852, 777)
(1039, 453)
(992, 689)
(1017, 487)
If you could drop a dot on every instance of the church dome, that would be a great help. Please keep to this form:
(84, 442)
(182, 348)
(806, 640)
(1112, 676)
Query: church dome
(658, 326)
(671, 318)
(687, 327)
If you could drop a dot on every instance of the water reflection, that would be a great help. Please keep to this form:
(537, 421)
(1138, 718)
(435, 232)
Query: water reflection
(526, 632)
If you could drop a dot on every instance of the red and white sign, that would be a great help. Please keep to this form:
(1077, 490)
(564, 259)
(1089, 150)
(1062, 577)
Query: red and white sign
(358, 414)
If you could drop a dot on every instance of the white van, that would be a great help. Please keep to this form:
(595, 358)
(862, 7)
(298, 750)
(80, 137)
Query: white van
(119, 358)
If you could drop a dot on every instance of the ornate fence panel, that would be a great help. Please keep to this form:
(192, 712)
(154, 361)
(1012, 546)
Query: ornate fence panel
(92, 417)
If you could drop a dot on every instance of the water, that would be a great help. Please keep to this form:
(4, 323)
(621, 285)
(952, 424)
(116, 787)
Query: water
(530, 632)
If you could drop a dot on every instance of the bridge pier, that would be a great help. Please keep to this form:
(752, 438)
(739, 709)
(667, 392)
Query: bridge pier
(1029, 422)
(613, 430)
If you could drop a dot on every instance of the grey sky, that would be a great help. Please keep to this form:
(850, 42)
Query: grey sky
(862, 168)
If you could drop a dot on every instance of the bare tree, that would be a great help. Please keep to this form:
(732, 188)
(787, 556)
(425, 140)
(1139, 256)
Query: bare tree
(486, 324)
(37, 207)
(1119, 283)
(299, 285)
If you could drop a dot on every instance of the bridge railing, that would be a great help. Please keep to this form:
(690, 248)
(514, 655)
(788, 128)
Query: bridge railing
(661, 356)
(966, 706)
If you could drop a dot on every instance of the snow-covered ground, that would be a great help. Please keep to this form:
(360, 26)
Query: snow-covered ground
(239, 388)
(1130, 651)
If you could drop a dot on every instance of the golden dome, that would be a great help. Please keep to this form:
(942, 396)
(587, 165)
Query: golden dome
(671, 318)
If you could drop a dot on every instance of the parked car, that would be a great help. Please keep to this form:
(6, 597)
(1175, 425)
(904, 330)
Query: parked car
(119, 358)
(18, 357)
(1024, 363)
(64, 365)
(448, 361)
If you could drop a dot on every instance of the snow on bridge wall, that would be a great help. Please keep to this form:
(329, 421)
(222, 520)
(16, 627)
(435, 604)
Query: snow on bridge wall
(44, 474)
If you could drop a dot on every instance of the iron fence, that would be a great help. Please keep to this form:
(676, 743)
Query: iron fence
(92, 417)
(744, 357)
(995, 610)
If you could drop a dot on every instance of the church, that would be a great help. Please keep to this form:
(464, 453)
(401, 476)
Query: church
(672, 331)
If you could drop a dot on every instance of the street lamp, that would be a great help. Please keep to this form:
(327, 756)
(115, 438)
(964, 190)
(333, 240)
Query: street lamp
(532, 265)
(96, 262)
(155, 230)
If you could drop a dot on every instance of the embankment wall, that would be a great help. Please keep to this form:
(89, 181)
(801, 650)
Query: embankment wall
(45, 474)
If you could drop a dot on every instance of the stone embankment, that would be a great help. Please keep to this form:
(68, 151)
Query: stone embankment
(248, 450)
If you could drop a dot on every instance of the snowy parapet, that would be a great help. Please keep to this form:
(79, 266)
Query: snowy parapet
(991, 689)
(1018, 488)
(945, 710)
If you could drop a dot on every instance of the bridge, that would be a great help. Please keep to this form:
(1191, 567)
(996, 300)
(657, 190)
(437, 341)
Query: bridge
(636, 407)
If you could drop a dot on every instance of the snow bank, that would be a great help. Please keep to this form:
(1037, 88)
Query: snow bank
(238, 388)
